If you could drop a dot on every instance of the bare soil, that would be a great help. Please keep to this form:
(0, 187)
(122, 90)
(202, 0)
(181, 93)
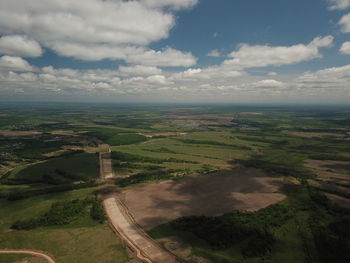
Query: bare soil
(339, 200)
(243, 189)
(313, 134)
(330, 169)
(182, 250)
(19, 133)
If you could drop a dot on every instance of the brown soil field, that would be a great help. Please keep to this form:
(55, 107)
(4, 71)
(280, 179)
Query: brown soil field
(313, 134)
(339, 200)
(19, 133)
(243, 189)
(165, 134)
(182, 250)
(330, 169)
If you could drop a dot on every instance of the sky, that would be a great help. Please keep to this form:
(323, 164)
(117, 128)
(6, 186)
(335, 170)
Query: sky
(230, 51)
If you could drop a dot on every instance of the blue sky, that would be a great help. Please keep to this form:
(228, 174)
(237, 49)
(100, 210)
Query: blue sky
(175, 50)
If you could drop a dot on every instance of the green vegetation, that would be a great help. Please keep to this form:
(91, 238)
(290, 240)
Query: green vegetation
(18, 194)
(48, 160)
(112, 137)
(251, 228)
(127, 157)
(60, 213)
(67, 243)
(150, 176)
(97, 212)
(61, 170)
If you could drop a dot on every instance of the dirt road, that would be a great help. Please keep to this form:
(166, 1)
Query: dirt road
(146, 249)
(29, 252)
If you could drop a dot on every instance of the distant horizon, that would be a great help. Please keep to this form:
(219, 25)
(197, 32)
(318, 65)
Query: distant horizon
(179, 104)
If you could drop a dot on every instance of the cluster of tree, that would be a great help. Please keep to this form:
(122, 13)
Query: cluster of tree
(22, 194)
(249, 228)
(276, 168)
(60, 213)
(147, 176)
(63, 213)
(191, 141)
(112, 137)
(97, 212)
(327, 156)
(333, 241)
(128, 157)
(160, 150)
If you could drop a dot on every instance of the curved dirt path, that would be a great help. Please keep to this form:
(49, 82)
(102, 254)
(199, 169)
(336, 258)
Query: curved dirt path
(48, 258)
(145, 248)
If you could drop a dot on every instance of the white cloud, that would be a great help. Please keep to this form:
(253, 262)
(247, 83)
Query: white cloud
(176, 4)
(261, 56)
(339, 4)
(131, 54)
(272, 74)
(213, 83)
(345, 23)
(8, 63)
(168, 57)
(97, 29)
(20, 46)
(139, 70)
(268, 83)
(345, 48)
(94, 21)
(157, 79)
(214, 53)
(329, 78)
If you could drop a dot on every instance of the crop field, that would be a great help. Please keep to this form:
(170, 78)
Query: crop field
(214, 184)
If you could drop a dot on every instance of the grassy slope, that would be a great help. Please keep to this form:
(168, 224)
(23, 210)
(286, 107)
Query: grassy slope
(82, 241)
(84, 166)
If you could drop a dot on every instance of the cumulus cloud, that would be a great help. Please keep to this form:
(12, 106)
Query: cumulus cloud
(268, 83)
(248, 56)
(131, 54)
(8, 63)
(329, 78)
(345, 23)
(20, 46)
(216, 82)
(139, 70)
(176, 4)
(345, 48)
(338, 4)
(214, 53)
(96, 29)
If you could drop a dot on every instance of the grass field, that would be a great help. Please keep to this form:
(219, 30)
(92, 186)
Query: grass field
(77, 167)
(84, 240)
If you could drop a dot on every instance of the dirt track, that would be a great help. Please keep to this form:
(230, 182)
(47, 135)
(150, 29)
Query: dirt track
(146, 249)
(29, 252)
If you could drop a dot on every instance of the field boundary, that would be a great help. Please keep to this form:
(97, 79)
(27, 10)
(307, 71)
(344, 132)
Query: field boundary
(37, 253)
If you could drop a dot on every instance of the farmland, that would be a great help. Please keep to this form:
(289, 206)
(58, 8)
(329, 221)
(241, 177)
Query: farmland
(207, 182)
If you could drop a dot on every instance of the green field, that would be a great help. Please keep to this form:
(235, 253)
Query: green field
(48, 154)
(67, 169)
(83, 240)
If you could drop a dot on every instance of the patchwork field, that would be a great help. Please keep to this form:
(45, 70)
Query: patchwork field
(222, 184)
